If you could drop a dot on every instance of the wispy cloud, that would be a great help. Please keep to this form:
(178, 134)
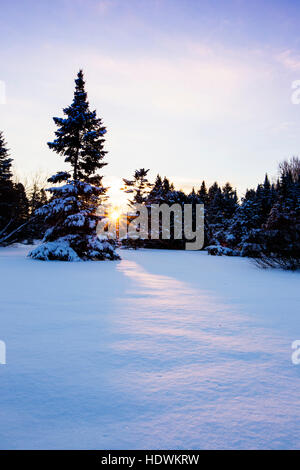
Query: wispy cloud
(289, 60)
(204, 85)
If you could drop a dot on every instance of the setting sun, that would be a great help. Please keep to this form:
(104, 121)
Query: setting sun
(115, 214)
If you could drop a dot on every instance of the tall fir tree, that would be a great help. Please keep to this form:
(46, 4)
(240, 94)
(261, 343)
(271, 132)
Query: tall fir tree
(71, 213)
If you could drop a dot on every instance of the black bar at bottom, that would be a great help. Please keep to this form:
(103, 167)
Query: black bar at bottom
(132, 459)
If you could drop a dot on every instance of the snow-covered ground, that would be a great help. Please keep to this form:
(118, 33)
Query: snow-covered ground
(163, 350)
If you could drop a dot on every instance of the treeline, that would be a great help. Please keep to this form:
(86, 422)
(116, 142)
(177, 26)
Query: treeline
(17, 206)
(264, 225)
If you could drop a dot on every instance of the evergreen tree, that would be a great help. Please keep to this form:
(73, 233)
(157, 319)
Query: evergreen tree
(139, 186)
(202, 193)
(21, 205)
(167, 186)
(156, 194)
(215, 206)
(213, 190)
(280, 234)
(6, 188)
(281, 238)
(163, 192)
(37, 199)
(71, 212)
(5, 161)
(230, 201)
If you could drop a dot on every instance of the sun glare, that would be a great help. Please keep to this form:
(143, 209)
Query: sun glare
(115, 214)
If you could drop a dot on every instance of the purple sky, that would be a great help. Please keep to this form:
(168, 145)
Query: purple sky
(191, 89)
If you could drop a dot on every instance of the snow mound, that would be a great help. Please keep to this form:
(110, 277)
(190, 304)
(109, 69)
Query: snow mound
(72, 248)
(56, 250)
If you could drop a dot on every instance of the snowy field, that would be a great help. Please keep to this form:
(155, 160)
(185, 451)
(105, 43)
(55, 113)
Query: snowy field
(162, 350)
